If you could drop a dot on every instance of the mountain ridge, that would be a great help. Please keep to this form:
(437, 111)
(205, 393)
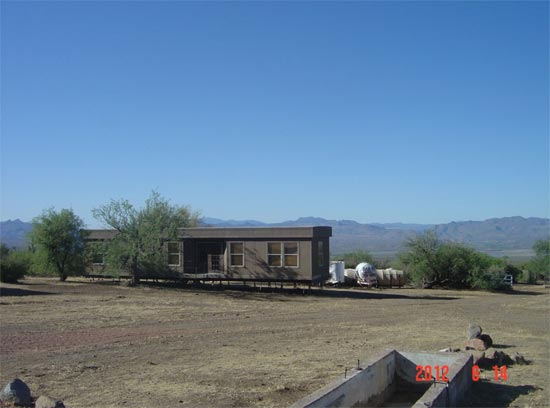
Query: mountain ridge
(496, 236)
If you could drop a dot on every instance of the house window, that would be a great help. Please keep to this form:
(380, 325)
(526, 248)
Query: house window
(173, 254)
(274, 257)
(236, 254)
(98, 258)
(321, 253)
(281, 254)
(97, 252)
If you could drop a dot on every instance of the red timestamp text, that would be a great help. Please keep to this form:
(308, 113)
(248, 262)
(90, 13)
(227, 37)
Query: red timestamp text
(499, 373)
(429, 373)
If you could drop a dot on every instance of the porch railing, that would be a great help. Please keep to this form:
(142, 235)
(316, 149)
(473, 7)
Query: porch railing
(215, 263)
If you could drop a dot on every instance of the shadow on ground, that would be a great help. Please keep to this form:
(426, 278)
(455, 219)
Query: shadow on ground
(21, 292)
(489, 394)
(290, 293)
(502, 346)
(519, 292)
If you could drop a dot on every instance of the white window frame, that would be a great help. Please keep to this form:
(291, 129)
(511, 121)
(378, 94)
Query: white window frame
(282, 253)
(173, 253)
(229, 253)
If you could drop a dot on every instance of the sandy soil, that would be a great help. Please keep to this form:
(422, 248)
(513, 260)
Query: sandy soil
(101, 344)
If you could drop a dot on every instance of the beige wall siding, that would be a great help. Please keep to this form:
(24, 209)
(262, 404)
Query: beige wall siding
(193, 247)
(256, 267)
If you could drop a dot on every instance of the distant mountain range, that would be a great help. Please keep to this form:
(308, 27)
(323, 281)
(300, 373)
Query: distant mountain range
(510, 236)
(14, 233)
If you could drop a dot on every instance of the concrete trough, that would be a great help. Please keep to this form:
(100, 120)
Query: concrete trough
(399, 379)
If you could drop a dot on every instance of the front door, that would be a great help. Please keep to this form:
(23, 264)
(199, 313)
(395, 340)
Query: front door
(203, 250)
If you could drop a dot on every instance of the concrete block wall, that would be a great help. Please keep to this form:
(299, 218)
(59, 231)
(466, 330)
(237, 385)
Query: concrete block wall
(375, 381)
(372, 381)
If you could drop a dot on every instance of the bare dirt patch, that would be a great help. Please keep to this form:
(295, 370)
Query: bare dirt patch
(100, 344)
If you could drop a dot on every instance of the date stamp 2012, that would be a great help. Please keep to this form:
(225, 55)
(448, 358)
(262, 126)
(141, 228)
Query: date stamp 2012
(439, 373)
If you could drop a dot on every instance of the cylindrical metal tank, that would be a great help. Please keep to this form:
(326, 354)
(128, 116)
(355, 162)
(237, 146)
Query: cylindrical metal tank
(337, 271)
(390, 277)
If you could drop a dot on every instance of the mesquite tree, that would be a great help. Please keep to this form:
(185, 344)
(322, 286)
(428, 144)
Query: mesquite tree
(141, 233)
(59, 237)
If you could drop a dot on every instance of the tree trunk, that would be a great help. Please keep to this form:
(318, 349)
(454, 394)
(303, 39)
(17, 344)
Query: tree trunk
(62, 277)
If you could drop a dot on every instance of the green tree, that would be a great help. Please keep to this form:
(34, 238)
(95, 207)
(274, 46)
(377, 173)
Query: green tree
(58, 239)
(431, 262)
(540, 264)
(420, 259)
(138, 246)
(14, 264)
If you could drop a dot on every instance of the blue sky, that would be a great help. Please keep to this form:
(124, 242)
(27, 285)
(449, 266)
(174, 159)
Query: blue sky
(374, 111)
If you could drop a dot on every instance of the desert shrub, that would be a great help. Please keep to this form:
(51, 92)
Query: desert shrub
(40, 264)
(14, 265)
(527, 276)
(138, 246)
(488, 279)
(58, 237)
(430, 262)
(540, 264)
(514, 271)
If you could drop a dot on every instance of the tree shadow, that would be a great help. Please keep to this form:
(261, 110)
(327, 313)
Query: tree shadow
(105, 282)
(490, 394)
(353, 294)
(258, 292)
(21, 292)
(502, 346)
(518, 292)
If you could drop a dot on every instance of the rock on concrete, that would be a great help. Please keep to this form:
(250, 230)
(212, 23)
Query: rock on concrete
(476, 344)
(478, 356)
(474, 331)
(497, 357)
(449, 350)
(18, 392)
(47, 402)
(486, 339)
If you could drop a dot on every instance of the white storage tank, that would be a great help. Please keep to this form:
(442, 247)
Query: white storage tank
(390, 277)
(336, 271)
(366, 274)
(349, 276)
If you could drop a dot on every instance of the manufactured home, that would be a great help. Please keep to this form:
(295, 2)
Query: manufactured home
(295, 254)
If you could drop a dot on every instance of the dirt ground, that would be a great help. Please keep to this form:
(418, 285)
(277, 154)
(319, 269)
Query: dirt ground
(105, 345)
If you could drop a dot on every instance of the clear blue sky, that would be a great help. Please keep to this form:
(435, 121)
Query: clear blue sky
(374, 111)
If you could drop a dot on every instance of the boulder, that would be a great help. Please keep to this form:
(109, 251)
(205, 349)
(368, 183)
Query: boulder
(449, 350)
(47, 402)
(476, 344)
(499, 358)
(18, 392)
(495, 357)
(486, 339)
(474, 331)
(479, 356)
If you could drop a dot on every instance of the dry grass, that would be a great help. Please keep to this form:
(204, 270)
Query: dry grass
(96, 344)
